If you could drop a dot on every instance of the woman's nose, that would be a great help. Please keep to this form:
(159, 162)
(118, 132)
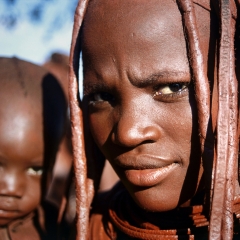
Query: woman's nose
(11, 184)
(135, 124)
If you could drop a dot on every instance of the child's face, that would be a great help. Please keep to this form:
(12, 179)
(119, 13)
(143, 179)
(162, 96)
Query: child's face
(21, 161)
(142, 110)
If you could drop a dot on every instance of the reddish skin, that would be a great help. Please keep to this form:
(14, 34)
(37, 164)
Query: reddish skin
(21, 155)
(122, 51)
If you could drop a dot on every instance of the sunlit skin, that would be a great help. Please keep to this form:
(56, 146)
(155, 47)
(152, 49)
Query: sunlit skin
(140, 98)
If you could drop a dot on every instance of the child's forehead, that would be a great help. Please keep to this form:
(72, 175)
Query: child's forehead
(17, 75)
(32, 108)
(20, 95)
(21, 131)
(19, 116)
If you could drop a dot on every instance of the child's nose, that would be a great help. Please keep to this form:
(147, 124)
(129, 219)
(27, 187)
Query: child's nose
(11, 185)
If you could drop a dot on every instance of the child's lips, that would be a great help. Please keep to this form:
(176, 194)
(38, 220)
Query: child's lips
(8, 204)
(8, 210)
(8, 213)
(149, 177)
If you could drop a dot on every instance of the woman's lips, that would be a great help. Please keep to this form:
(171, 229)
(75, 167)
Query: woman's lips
(149, 177)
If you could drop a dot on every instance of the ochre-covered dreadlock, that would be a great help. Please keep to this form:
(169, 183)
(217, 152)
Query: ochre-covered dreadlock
(224, 172)
(83, 185)
(221, 224)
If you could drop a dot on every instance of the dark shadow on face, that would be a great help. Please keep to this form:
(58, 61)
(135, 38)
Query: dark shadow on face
(54, 120)
(96, 159)
(192, 176)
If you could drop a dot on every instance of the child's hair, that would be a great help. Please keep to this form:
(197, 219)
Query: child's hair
(219, 156)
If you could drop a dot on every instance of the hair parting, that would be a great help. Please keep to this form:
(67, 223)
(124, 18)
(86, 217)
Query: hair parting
(83, 185)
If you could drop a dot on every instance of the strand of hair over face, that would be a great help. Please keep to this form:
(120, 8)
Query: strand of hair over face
(221, 220)
(84, 186)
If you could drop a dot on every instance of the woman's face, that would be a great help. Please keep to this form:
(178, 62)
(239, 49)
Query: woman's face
(140, 98)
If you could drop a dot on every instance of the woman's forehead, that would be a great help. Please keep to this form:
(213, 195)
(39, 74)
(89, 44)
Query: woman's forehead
(140, 39)
(111, 20)
(141, 15)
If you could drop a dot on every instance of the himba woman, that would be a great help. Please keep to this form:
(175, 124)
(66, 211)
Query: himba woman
(161, 104)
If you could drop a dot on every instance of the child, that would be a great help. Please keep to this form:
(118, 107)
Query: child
(32, 122)
(159, 87)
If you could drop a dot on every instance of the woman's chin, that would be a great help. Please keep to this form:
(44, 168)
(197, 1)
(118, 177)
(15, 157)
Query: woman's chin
(154, 204)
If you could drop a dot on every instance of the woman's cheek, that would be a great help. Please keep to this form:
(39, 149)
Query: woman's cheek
(99, 128)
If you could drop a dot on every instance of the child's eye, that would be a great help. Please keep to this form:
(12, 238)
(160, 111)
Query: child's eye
(36, 171)
(171, 90)
(102, 96)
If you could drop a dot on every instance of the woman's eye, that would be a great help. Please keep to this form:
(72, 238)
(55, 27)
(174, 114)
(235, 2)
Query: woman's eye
(102, 96)
(36, 171)
(171, 89)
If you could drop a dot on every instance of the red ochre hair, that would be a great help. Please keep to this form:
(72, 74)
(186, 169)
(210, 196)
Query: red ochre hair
(222, 175)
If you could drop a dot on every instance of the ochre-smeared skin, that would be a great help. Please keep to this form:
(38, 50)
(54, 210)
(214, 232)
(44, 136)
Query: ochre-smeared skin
(83, 185)
(221, 224)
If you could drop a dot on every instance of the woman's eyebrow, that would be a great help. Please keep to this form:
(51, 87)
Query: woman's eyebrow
(161, 77)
